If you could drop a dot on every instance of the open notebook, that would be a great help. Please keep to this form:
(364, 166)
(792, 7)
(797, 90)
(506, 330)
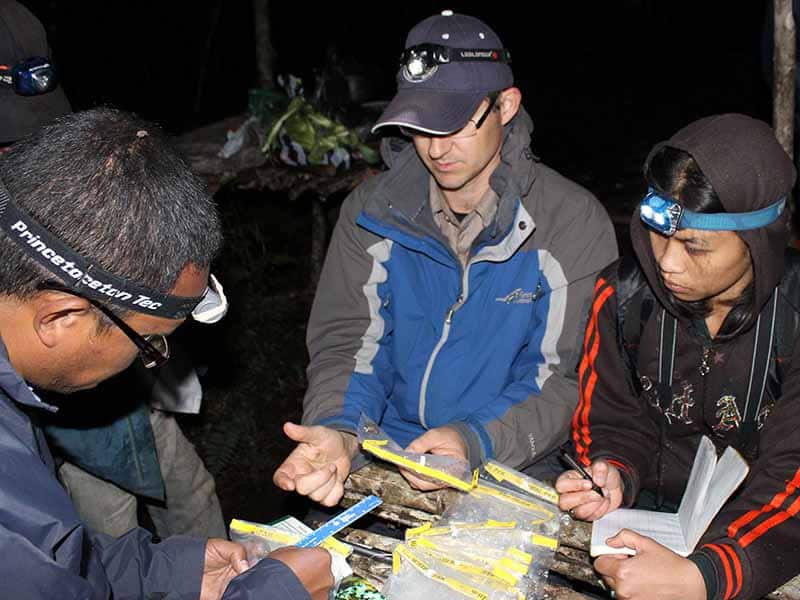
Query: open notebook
(711, 483)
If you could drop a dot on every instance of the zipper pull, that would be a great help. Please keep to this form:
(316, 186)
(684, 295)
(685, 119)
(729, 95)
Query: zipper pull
(450, 314)
(705, 361)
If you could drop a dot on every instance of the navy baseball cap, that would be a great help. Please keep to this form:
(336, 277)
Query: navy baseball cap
(22, 36)
(450, 64)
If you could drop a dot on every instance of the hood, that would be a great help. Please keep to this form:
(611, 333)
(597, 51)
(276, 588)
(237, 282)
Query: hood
(749, 170)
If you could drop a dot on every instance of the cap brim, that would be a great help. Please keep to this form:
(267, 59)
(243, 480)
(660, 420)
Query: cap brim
(21, 115)
(430, 111)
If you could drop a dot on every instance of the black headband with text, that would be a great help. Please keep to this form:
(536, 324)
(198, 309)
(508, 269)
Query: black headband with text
(81, 275)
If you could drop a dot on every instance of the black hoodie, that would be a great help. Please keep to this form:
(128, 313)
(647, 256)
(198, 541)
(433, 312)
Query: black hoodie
(752, 545)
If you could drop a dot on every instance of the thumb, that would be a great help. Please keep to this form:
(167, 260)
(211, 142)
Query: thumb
(630, 539)
(299, 433)
(423, 443)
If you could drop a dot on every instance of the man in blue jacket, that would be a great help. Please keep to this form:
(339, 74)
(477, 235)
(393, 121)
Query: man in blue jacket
(106, 238)
(450, 306)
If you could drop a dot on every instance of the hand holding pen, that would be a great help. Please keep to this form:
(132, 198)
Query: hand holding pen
(575, 465)
(589, 503)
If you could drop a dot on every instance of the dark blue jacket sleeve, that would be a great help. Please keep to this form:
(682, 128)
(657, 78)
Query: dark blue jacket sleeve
(268, 579)
(138, 568)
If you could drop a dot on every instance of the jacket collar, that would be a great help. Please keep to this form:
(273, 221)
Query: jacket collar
(15, 387)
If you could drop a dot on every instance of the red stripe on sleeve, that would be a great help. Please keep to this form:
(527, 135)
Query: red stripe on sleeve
(737, 568)
(773, 521)
(618, 464)
(776, 502)
(580, 420)
(725, 565)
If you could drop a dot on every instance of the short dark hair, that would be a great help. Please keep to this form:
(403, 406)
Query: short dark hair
(111, 186)
(675, 173)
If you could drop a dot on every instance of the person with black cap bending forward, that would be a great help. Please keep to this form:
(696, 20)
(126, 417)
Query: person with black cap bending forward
(697, 336)
(450, 305)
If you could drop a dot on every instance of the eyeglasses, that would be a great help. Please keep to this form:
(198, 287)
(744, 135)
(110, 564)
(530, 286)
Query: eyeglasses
(469, 130)
(153, 348)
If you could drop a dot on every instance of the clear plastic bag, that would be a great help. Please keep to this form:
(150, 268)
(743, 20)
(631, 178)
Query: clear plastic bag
(259, 540)
(449, 470)
(415, 576)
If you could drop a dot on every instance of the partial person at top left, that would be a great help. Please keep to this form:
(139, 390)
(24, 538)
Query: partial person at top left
(131, 452)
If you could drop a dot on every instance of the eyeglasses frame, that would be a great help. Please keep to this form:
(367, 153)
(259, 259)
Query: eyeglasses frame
(491, 96)
(149, 354)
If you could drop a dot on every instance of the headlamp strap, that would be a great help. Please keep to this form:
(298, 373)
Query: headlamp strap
(441, 55)
(86, 278)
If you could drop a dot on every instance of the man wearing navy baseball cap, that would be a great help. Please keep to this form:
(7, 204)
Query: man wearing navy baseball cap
(451, 306)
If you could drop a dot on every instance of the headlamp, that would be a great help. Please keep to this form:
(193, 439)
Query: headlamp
(420, 62)
(30, 77)
(666, 216)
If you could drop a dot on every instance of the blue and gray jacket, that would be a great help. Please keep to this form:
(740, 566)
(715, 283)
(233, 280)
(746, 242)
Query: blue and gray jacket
(400, 331)
(47, 552)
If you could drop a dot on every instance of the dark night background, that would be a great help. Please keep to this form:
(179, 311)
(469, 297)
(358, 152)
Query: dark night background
(603, 82)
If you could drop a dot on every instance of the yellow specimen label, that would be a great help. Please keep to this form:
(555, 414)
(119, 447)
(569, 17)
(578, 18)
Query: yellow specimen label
(506, 497)
(404, 553)
(283, 537)
(545, 541)
(502, 474)
(376, 447)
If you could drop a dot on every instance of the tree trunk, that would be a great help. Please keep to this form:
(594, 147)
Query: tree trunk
(265, 53)
(784, 66)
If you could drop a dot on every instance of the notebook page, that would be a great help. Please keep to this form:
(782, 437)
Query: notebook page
(662, 527)
(728, 476)
(694, 498)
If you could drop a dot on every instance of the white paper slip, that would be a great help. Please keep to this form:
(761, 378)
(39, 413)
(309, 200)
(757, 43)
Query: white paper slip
(711, 483)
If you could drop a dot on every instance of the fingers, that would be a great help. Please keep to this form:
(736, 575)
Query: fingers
(608, 566)
(321, 492)
(599, 472)
(333, 497)
(308, 484)
(425, 442)
(284, 476)
(574, 500)
(420, 484)
(630, 539)
(571, 481)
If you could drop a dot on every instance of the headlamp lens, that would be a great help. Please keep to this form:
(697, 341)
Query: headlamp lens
(34, 76)
(214, 304)
(659, 213)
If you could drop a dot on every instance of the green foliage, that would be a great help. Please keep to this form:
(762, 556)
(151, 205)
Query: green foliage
(300, 133)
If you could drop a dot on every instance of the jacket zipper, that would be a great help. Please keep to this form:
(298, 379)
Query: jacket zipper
(423, 388)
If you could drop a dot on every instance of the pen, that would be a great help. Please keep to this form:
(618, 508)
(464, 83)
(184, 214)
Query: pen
(574, 464)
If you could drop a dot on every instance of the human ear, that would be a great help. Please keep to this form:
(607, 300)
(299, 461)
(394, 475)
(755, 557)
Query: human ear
(59, 317)
(509, 103)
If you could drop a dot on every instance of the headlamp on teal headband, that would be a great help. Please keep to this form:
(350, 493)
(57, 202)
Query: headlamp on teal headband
(666, 216)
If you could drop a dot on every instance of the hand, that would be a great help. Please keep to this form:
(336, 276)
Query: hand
(655, 573)
(312, 567)
(444, 441)
(576, 493)
(319, 465)
(224, 560)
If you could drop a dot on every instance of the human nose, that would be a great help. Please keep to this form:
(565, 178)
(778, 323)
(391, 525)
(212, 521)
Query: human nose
(439, 146)
(670, 259)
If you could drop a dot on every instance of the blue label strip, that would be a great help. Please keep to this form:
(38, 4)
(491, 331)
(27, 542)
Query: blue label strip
(339, 522)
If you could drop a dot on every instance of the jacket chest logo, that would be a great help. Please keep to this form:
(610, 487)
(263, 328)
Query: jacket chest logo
(727, 415)
(681, 403)
(520, 296)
